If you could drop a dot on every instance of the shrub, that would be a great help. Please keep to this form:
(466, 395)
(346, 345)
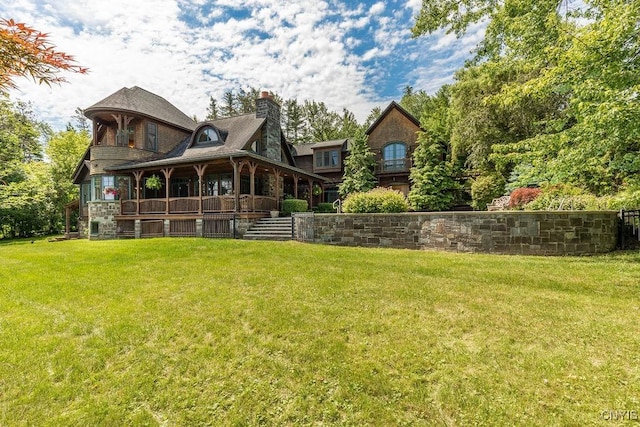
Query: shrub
(486, 188)
(522, 196)
(294, 205)
(563, 197)
(325, 208)
(378, 200)
(627, 199)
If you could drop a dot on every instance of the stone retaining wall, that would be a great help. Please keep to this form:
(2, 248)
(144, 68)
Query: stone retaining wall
(513, 232)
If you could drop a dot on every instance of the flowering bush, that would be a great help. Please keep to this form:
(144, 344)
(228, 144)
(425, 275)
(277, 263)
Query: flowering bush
(522, 196)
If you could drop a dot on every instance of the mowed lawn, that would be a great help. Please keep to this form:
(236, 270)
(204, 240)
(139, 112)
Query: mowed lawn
(184, 332)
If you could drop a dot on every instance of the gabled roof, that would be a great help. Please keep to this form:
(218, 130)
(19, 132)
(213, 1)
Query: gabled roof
(139, 101)
(82, 166)
(238, 131)
(390, 107)
(307, 149)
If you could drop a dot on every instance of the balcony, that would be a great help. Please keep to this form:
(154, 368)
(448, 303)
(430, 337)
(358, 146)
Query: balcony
(393, 166)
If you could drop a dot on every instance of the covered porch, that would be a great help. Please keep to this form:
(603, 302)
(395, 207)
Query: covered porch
(241, 184)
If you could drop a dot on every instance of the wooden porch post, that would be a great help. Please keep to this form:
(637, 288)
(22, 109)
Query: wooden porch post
(296, 177)
(138, 177)
(276, 173)
(167, 175)
(310, 181)
(252, 171)
(200, 171)
(236, 185)
(67, 225)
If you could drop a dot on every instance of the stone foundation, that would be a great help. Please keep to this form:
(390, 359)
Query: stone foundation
(102, 223)
(514, 232)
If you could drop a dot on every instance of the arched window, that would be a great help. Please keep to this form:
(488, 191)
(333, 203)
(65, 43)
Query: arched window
(207, 135)
(393, 156)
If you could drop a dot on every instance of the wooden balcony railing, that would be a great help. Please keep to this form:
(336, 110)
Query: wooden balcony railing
(185, 205)
(393, 166)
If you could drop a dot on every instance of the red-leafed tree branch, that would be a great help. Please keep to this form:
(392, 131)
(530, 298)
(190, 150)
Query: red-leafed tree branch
(26, 52)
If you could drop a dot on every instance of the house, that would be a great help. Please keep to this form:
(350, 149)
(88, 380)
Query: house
(212, 178)
(392, 138)
(324, 158)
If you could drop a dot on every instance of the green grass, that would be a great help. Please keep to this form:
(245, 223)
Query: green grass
(222, 332)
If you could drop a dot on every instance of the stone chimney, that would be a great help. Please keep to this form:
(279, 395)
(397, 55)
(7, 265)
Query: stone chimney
(267, 108)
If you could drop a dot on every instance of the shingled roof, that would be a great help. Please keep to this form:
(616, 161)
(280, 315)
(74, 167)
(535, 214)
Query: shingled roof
(307, 149)
(139, 101)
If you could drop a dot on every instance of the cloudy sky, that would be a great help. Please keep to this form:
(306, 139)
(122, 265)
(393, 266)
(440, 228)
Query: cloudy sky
(348, 54)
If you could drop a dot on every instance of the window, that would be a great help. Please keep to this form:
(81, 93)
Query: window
(109, 187)
(393, 156)
(255, 147)
(207, 135)
(126, 137)
(217, 185)
(152, 137)
(327, 159)
(331, 194)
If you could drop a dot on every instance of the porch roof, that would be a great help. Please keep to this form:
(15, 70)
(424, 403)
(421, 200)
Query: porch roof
(209, 156)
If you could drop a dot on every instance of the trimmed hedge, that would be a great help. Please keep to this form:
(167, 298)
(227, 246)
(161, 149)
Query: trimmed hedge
(378, 200)
(325, 208)
(294, 205)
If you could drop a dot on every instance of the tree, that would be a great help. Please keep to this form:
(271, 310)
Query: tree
(26, 206)
(358, 167)
(432, 174)
(212, 109)
(414, 102)
(228, 108)
(372, 117)
(20, 136)
(63, 150)
(26, 52)
(292, 121)
(552, 93)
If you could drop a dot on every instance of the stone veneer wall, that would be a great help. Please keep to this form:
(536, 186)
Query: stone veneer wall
(103, 212)
(534, 233)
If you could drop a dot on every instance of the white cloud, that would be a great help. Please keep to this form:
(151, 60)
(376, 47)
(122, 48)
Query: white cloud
(414, 5)
(377, 8)
(291, 48)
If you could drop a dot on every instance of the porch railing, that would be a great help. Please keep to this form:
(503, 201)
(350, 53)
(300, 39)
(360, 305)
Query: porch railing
(183, 205)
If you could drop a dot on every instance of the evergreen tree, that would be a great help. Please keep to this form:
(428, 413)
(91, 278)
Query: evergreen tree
(213, 110)
(358, 167)
(292, 121)
(432, 174)
(228, 108)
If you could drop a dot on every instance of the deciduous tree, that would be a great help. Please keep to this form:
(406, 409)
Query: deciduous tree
(26, 52)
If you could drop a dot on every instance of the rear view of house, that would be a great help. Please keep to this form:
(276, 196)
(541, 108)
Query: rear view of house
(151, 170)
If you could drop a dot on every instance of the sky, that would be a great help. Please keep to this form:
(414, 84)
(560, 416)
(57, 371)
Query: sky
(353, 55)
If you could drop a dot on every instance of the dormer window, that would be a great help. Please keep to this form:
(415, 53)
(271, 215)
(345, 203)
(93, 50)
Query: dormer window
(206, 136)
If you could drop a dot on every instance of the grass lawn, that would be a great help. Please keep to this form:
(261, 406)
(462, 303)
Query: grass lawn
(222, 332)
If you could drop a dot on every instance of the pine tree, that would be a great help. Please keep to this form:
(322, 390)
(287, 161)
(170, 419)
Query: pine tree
(228, 108)
(212, 109)
(358, 167)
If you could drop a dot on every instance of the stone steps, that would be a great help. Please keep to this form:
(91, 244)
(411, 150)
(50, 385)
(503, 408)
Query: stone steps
(277, 229)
